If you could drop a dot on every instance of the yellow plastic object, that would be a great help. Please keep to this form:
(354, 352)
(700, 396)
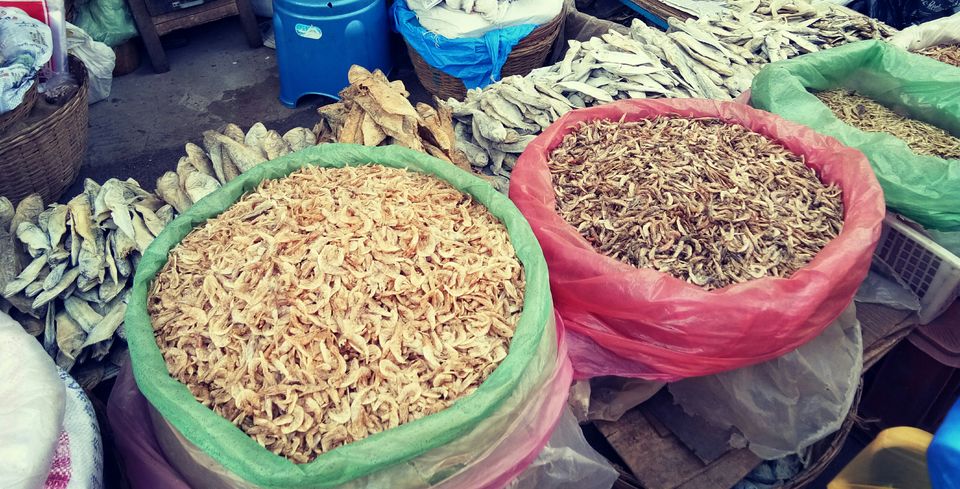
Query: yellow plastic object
(896, 459)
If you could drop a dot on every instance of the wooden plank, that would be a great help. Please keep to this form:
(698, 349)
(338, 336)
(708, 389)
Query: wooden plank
(149, 35)
(188, 18)
(725, 472)
(664, 462)
(249, 22)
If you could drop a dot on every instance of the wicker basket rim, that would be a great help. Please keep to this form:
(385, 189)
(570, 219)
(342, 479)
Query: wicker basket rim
(26, 134)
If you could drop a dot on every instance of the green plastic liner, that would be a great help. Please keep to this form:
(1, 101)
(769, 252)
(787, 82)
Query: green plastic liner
(242, 455)
(923, 188)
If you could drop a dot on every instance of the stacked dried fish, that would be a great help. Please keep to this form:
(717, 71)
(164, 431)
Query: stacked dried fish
(945, 53)
(229, 152)
(488, 8)
(67, 269)
(337, 303)
(708, 202)
(870, 116)
(83, 257)
(375, 111)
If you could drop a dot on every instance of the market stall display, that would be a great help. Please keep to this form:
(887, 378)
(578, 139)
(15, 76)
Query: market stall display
(638, 322)
(443, 445)
(405, 383)
(920, 187)
(730, 206)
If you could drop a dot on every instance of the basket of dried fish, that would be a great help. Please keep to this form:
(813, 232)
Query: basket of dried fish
(688, 237)
(410, 296)
(938, 39)
(901, 110)
(480, 66)
(45, 156)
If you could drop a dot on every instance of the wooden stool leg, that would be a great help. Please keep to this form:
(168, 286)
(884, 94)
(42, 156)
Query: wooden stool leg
(148, 33)
(249, 22)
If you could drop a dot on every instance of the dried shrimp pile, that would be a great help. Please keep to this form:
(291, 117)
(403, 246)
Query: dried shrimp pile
(337, 303)
(867, 115)
(708, 202)
(945, 53)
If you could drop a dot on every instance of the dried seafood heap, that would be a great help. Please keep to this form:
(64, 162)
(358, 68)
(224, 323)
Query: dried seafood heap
(66, 269)
(945, 53)
(706, 58)
(337, 303)
(708, 202)
(228, 153)
(870, 116)
(375, 111)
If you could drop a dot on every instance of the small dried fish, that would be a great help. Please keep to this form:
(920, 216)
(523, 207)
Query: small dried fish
(945, 53)
(870, 116)
(727, 206)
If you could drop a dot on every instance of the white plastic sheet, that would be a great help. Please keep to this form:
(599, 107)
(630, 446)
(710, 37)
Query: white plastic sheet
(97, 57)
(456, 24)
(32, 400)
(567, 462)
(945, 30)
(784, 405)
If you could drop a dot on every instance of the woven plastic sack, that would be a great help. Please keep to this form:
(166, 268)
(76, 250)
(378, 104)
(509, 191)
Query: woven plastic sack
(78, 458)
(529, 364)
(922, 188)
(475, 61)
(643, 323)
(32, 399)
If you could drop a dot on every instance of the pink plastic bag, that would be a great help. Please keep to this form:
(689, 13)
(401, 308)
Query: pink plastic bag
(643, 323)
(147, 467)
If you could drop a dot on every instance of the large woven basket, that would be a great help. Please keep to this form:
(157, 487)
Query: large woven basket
(20, 112)
(45, 156)
(529, 54)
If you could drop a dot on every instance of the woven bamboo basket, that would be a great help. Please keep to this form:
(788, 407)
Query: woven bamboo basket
(530, 53)
(45, 157)
(9, 118)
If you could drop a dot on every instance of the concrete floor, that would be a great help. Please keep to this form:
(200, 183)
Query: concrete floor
(214, 78)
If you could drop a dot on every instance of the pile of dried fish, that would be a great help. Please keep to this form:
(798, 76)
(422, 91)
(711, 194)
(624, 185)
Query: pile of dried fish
(338, 303)
(67, 269)
(482, 7)
(945, 53)
(708, 202)
(83, 256)
(870, 116)
(229, 152)
(375, 111)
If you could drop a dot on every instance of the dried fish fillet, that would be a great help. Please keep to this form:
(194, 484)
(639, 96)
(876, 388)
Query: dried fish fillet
(708, 202)
(338, 303)
(945, 53)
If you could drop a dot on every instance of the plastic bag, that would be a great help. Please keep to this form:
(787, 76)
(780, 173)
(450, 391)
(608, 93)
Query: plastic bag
(608, 398)
(878, 289)
(567, 462)
(107, 21)
(475, 61)
(923, 188)
(98, 59)
(789, 403)
(502, 461)
(643, 323)
(945, 30)
(530, 362)
(33, 400)
(25, 46)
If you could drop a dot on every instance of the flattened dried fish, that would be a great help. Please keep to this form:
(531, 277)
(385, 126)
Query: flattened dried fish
(168, 187)
(27, 211)
(48, 295)
(6, 213)
(27, 276)
(299, 138)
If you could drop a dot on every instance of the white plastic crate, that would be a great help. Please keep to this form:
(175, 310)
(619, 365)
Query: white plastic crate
(928, 269)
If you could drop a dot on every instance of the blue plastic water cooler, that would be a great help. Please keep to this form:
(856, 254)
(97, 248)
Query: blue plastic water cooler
(318, 41)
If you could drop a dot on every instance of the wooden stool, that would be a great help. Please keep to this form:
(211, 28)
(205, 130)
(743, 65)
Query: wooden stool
(159, 17)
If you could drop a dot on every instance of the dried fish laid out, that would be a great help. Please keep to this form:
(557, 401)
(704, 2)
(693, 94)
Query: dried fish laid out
(868, 115)
(945, 53)
(226, 154)
(337, 303)
(375, 111)
(711, 203)
(483, 7)
(80, 258)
